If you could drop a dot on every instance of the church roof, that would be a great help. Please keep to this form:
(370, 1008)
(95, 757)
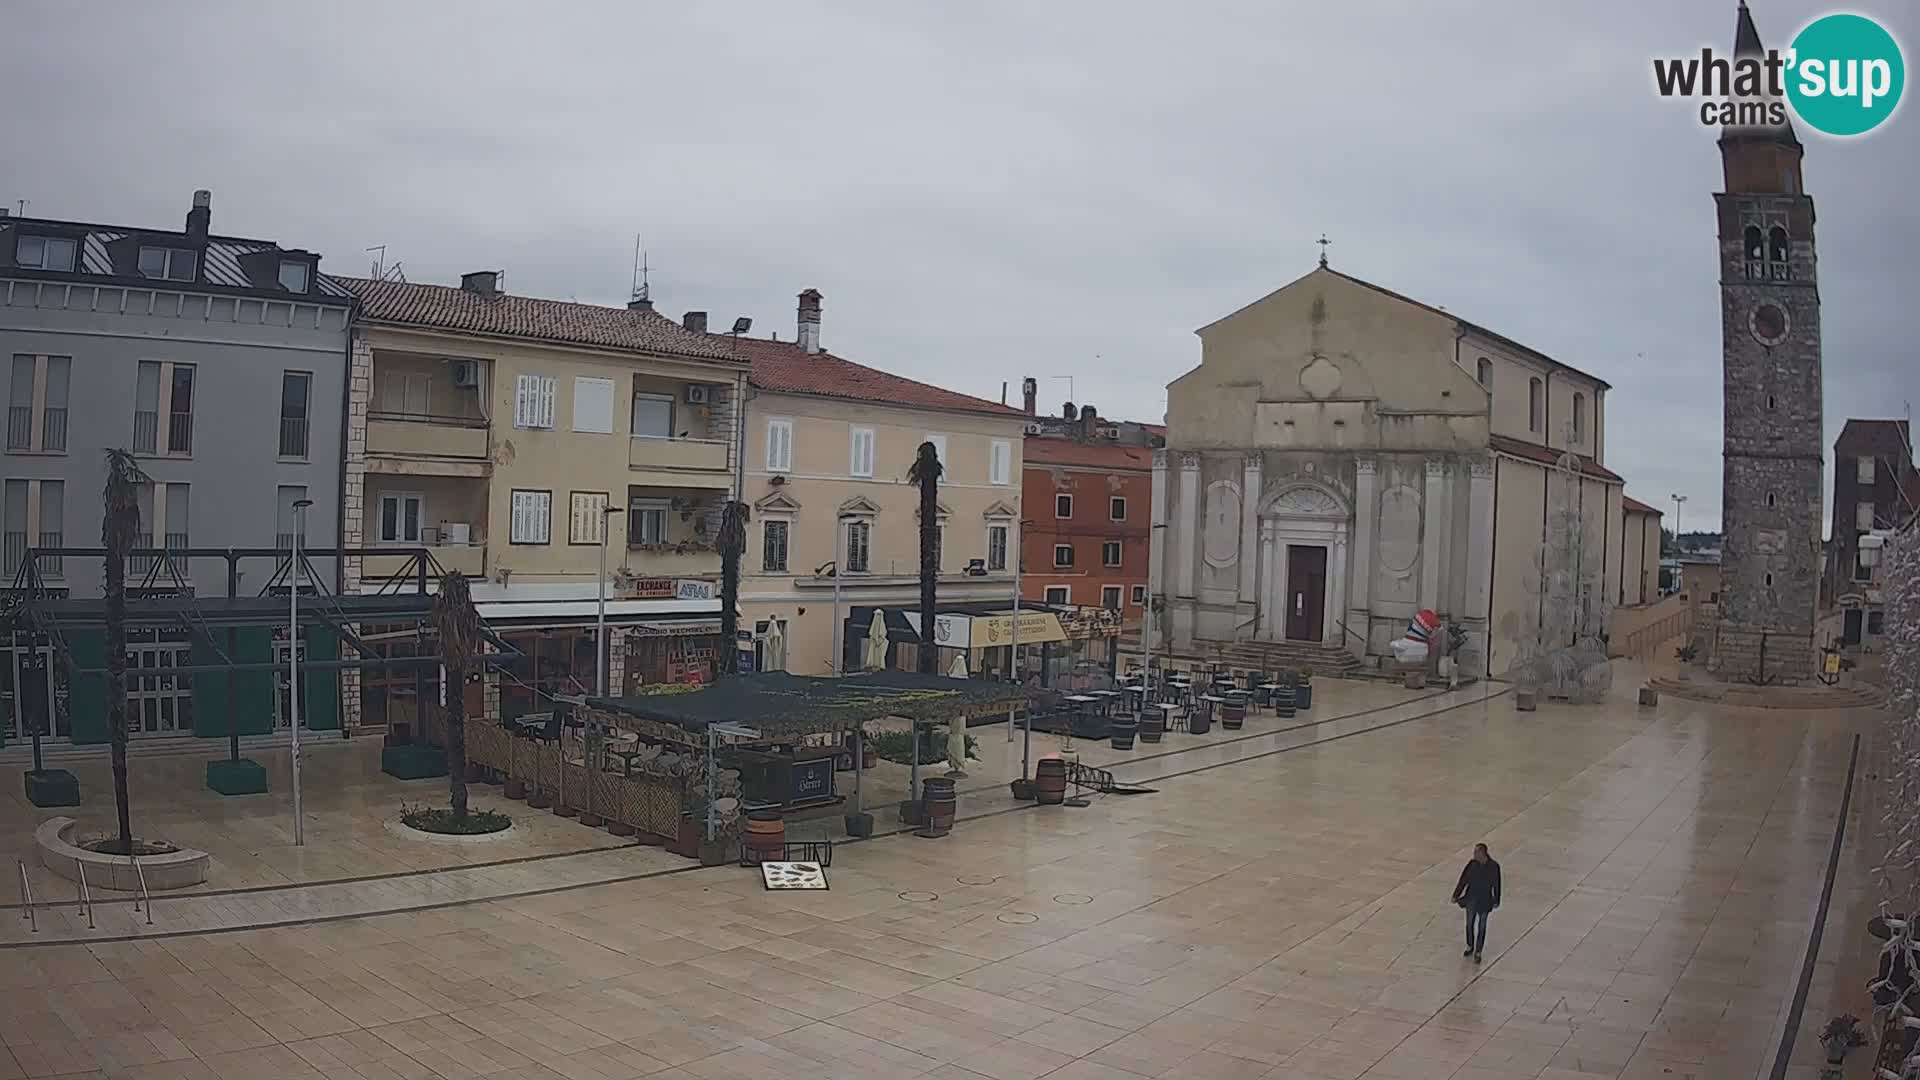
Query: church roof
(1634, 506)
(1746, 42)
(1469, 326)
(1547, 455)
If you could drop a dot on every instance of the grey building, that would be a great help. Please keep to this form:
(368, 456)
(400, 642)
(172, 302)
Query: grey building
(219, 362)
(1772, 455)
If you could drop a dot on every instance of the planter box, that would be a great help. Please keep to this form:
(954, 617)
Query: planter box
(859, 824)
(52, 787)
(1023, 789)
(413, 762)
(242, 777)
(1526, 700)
(910, 812)
(1416, 680)
(1649, 696)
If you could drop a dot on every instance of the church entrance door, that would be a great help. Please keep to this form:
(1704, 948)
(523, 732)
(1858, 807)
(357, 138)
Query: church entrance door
(1306, 591)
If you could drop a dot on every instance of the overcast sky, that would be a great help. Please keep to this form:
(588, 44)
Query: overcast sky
(991, 190)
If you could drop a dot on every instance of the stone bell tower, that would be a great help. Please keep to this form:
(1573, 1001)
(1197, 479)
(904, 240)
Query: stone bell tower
(1772, 453)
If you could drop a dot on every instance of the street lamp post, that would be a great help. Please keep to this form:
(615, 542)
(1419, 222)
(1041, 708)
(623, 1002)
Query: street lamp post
(839, 632)
(293, 666)
(1678, 502)
(600, 605)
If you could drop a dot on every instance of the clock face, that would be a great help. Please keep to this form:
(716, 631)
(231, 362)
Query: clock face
(1769, 324)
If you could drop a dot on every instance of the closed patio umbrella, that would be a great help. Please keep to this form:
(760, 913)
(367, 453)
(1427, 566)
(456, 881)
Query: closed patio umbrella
(877, 642)
(774, 647)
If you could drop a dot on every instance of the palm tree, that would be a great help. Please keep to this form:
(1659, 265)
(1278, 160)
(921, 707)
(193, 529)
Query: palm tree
(458, 625)
(926, 473)
(119, 529)
(732, 543)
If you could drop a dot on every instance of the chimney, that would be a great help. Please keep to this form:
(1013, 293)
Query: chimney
(201, 216)
(640, 303)
(695, 321)
(1029, 394)
(1089, 420)
(809, 337)
(1067, 411)
(481, 282)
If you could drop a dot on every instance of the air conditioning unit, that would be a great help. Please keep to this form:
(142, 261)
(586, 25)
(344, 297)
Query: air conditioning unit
(696, 395)
(456, 533)
(1110, 433)
(466, 374)
(1034, 429)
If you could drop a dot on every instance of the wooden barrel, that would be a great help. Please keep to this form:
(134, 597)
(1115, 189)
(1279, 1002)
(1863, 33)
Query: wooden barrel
(765, 838)
(1153, 726)
(1233, 711)
(1120, 731)
(938, 805)
(1283, 702)
(1050, 782)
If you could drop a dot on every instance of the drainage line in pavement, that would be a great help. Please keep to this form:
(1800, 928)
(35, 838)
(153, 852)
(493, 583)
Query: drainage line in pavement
(1819, 924)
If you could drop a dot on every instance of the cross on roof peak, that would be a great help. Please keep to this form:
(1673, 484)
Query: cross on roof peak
(1324, 244)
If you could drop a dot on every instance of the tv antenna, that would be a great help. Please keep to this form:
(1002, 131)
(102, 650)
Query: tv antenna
(380, 270)
(642, 288)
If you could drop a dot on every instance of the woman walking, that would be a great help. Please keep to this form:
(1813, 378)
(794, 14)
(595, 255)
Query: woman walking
(1478, 892)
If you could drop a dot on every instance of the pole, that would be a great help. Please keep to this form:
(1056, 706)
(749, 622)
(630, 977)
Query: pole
(600, 652)
(293, 667)
(1026, 729)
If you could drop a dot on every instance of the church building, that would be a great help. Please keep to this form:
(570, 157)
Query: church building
(1345, 456)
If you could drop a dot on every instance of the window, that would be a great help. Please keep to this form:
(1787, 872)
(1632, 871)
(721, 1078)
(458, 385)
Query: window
(1139, 595)
(1861, 571)
(652, 416)
(1771, 403)
(1110, 597)
(293, 275)
(1535, 405)
(1864, 468)
(1117, 508)
(400, 514)
(1579, 418)
(1862, 515)
(1000, 462)
(20, 404)
(1110, 553)
(1769, 499)
(53, 512)
(1769, 581)
(586, 517)
(779, 446)
(44, 253)
(996, 547)
(53, 414)
(14, 521)
(1063, 554)
(646, 519)
(859, 549)
(1484, 372)
(939, 450)
(532, 514)
(146, 407)
(592, 406)
(1778, 249)
(533, 401)
(294, 387)
(180, 411)
(860, 462)
(405, 393)
(1063, 506)
(168, 264)
(288, 519)
(773, 546)
(1059, 594)
(177, 516)
(1876, 622)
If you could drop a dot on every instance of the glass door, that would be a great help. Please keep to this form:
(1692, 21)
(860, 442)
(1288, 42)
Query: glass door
(282, 701)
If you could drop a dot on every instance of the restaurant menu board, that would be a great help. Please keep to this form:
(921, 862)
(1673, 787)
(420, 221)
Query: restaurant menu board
(793, 875)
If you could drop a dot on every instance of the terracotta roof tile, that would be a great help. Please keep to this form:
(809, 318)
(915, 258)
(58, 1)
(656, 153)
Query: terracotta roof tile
(1071, 452)
(784, 367)
(443, 307)
(1548, 456)
(1635, 506)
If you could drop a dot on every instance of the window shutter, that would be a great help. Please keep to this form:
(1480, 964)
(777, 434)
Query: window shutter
(779, 445)
(593, 405)
(545, 416)
(524, 393)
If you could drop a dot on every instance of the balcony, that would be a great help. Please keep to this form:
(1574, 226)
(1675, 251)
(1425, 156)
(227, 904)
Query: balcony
(449, 446)
(469, 559)
(665, 560)
(681, 462)
(52, 565)
(20, 427)
(146, 427)
(293, 437)
(53, 429)
(13, 550)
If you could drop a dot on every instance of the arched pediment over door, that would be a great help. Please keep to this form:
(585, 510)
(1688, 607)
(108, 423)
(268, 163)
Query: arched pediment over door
(1302, 575)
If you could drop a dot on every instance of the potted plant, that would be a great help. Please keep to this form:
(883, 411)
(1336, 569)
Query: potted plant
(1841, 1034)
(1687, 654)
(1303, 688)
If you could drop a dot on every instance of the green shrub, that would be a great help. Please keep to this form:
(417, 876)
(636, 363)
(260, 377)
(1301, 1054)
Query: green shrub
(896, 746)
(439, 819)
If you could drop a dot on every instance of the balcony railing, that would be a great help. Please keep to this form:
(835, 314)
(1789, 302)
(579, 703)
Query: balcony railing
(293, 436)
(20, 427)
(696, 455)
(53, 429)
(146, 426)
(13, 549)
(416, 434)
(52, 565)
(138, 565)
(179, 433)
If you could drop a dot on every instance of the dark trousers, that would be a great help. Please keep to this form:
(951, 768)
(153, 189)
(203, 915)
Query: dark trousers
(1476, 929)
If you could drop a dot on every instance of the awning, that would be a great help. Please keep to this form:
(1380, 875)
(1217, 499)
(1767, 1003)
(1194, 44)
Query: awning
(623, 610)
(955, 630)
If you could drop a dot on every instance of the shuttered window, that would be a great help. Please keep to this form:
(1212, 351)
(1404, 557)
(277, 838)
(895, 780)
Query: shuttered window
(859, 534)
(862, 452)
(533, 401)
(1000, 462)
(532, 517)
(586, 517)
(592, 406)
(779, 446)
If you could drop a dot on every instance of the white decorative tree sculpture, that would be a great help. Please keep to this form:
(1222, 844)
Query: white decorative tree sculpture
(1563, 646)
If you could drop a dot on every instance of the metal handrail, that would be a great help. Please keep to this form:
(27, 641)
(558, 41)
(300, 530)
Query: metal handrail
(86, 895)
(26, 895)
(146, 898)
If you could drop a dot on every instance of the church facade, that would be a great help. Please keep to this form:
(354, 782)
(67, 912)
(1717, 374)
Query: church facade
(1345, 456)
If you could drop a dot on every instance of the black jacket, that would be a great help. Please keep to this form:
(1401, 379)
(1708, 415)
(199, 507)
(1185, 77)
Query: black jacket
(1479, 886)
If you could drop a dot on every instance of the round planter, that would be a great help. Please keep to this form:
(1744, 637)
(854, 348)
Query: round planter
(619, 828)
(563, 810)
(514, 789)
(590, 820)
(539, 799)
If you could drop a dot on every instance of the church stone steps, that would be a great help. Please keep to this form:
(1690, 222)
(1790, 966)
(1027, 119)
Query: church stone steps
(1268, 656)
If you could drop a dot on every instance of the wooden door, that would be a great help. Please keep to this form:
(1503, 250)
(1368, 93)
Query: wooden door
(1306, 591)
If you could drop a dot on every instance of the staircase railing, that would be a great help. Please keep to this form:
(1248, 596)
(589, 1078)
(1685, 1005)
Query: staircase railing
(26, 896)
(145, 899)
(86, 895)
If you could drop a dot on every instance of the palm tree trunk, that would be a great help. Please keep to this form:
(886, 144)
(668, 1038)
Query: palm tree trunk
(926, 473)
(117, 692)
(732, 542)
(457, 740)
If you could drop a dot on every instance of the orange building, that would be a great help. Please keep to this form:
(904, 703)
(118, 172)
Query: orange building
(1087, 531)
